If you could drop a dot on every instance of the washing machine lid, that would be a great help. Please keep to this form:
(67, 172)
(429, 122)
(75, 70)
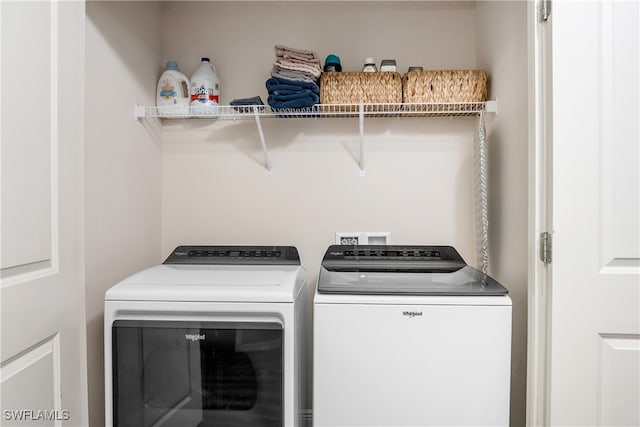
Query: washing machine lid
(402, 270)
(218, 274)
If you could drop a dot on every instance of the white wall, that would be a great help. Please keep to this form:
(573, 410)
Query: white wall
(123, 44)
(502, 51)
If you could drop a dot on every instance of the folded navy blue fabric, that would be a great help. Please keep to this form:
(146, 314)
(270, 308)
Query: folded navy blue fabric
(287, 92)
(278, 84)
(245, 105)
(292, 96)
(305, 99)
(254, 100)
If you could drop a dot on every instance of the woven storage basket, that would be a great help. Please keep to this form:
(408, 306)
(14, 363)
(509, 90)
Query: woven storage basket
(444, 86)
(360, 88)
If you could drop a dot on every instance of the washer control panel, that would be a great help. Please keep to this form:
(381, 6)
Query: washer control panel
(402, 270)
(392, 258)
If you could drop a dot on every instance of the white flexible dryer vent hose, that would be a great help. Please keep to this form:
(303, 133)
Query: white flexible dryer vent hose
(480, 192)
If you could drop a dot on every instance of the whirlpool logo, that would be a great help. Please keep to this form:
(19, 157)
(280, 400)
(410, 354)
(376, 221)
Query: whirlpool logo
(194, 337)
(411, 313)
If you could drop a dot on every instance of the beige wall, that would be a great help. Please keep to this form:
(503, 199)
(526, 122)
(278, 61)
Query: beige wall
(502, 51)
(122, 163)
(150, 188)
(418, 179)
(418, 182)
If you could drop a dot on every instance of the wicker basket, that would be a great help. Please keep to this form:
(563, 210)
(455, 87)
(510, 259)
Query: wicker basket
(360, 88)
(444, 86)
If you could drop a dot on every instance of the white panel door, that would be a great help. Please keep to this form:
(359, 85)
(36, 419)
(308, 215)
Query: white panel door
(595, 312)
(42, 356)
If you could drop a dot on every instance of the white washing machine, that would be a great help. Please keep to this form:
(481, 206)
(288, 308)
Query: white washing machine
(215, 336)
(409, 336)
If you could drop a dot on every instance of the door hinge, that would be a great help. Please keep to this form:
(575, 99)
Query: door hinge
(545, 247)
(544, 10)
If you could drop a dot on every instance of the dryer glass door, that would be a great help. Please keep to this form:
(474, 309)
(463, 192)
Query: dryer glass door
(197, 374)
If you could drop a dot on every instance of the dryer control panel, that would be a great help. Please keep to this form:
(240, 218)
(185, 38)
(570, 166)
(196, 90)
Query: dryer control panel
(234, 255)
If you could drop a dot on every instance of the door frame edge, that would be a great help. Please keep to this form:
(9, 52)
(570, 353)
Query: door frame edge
(540, 216)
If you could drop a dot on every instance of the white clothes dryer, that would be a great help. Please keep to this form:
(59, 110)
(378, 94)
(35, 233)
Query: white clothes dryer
(215, 336)
(409, 336)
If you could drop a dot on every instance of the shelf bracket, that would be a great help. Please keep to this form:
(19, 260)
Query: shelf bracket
(361, 120)
(256, 113)
(140, 112)
(492, 106)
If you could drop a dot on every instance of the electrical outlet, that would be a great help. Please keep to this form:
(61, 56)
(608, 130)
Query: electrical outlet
(348, 240)
(363, 238)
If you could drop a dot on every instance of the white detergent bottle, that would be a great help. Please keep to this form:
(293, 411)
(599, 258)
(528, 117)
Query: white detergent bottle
(173, 92)
(205, 89)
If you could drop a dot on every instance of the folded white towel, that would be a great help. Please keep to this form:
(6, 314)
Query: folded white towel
(299, 54)
(297, 76)
(295, 60)
(286, 64)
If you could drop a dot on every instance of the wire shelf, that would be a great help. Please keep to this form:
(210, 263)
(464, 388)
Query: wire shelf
(230, 112)
(361, 111)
